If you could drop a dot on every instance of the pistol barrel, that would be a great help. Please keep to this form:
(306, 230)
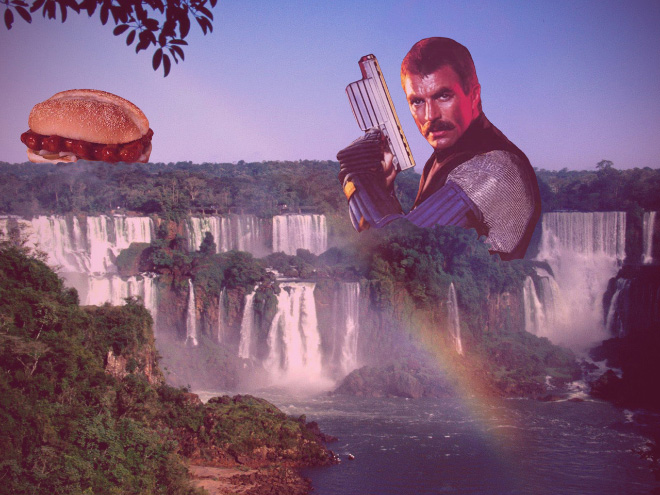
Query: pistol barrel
(372, 106)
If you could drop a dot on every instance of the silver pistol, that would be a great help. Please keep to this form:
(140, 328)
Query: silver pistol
(373, 108)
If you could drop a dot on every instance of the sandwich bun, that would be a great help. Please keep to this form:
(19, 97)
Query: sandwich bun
(87, 124)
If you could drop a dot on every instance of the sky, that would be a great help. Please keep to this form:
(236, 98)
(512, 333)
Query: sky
(570, 82)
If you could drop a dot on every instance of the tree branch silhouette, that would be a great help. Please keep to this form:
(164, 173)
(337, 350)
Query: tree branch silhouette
(161, 24)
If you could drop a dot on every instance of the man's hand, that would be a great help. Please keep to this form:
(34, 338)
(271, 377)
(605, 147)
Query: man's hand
(368, 153)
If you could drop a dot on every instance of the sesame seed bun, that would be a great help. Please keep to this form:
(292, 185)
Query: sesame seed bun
(89, 115)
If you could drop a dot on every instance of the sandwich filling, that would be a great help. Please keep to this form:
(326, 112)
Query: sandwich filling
(57, 146)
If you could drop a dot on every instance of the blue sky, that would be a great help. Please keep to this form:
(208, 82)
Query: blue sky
(570, 82)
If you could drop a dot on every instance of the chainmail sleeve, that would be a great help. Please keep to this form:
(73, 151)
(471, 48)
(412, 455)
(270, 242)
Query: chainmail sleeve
(495, 183)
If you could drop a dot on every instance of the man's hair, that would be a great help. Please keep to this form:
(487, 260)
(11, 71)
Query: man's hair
(430, 54)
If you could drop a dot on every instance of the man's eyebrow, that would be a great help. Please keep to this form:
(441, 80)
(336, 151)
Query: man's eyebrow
(444, 89)
(435, 94)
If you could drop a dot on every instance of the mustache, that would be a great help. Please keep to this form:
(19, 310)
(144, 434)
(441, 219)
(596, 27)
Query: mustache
(437, 125)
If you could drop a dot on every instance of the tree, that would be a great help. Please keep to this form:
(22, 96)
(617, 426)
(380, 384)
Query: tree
(161, 23)
(207, 247)
(605, 165)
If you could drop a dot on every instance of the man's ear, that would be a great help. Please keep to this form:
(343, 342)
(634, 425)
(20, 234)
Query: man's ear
(476, 100)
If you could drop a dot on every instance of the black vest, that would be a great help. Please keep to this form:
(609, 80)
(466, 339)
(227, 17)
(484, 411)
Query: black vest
(481, 137)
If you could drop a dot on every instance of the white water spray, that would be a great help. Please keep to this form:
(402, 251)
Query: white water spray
(294, 343)
(222, 314)
(454, 319)
(293, 232)
(648, 227)
(614, 320)
(247, 338)
(191, 317)
(584, 251)
(348, 330)
(234, 232)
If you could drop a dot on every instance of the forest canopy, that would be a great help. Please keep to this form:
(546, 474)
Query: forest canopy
(266, 188)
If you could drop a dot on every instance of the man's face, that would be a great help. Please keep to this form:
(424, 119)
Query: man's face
(442, 111)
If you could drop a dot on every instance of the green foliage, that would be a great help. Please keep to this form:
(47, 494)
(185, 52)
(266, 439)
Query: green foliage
(244, 424)
(66, 426)
(124, 329)
(606, 189)
(302, 265)
(425, 261)
(163, 25)
(208, 246)
(69, 426)
(172, 191)
(240, 269)
(519, 362)
(128, 261)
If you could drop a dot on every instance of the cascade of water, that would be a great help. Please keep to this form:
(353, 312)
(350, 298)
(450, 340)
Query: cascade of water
(114, 289)
(73, 249)
(348, 310)
(294, 343)
(65, 247)
(534, 317)
(197, 227)
(454, 319)
(98, 244)
(584, 251)
(227, 233)
(648, 227)
(551, 300)
(191, 317)
(246, 343)
(292, 232)
(615, 313)
(233, 232)
(151, 298)
(222, 314)
(83, 255)
(131, 229)
(249, 234)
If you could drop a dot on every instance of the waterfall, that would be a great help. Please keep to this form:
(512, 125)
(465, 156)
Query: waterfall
(150, 298)
(83, 253)
(98, 242)
(197, 227)
(131, 229)
(534, 313)
(292, 232)
(246, 233)
(63, 241)
(346, 312)
(222, 314)
(294, 343)
(454, 320)
(234, 232)
(107, 236)
(648, 227)
(614, 321)
(584, 250)
(191, 317)
(247, 340)
(98, 290)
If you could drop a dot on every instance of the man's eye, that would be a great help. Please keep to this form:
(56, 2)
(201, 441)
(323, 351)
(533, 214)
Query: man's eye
(416, 102)
(445, 96)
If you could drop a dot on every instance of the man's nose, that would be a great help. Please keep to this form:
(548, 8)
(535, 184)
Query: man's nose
(432, 111)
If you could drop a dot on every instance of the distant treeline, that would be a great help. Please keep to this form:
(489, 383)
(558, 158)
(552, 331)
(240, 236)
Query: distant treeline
(604, 189)
(266, 188)
(170, 190)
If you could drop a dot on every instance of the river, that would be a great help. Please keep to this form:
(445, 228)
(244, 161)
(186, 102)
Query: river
(472, 446)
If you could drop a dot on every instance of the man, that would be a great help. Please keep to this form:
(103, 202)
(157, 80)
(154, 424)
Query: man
(475, 178)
